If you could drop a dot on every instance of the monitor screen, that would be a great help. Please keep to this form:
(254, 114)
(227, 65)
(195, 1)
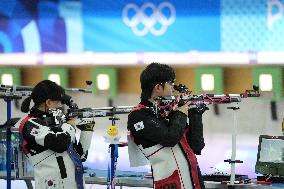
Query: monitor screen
(272, 150)
(270, 156)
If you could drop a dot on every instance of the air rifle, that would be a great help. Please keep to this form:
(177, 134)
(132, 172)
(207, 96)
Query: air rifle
(200, 102)
(14, 92)
(18, 91)
(99, 112)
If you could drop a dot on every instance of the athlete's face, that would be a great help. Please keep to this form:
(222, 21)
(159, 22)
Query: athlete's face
(168, 88)
(164, 89)
(53, 103)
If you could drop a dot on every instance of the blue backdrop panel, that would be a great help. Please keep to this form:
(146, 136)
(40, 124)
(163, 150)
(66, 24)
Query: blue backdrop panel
(31, 26)
(177, 25)
(135, 26)
(252, 25)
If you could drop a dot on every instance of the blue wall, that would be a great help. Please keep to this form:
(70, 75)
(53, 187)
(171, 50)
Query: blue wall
(139, 26)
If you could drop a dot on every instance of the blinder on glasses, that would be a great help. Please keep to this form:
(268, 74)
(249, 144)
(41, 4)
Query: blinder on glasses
(171, 83)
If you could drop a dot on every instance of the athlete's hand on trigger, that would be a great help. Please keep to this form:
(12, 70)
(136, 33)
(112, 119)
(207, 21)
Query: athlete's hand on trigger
(184, 108)
(72, 122)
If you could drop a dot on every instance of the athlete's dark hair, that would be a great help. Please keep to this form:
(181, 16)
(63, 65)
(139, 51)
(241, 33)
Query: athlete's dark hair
(153, 74)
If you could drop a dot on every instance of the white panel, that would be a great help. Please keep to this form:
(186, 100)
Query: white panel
(265, 82)
(55, 78)
(7, 79)
(207, 82)
(103, 81)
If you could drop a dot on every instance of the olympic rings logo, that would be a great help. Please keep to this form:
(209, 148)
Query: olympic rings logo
(155, 22)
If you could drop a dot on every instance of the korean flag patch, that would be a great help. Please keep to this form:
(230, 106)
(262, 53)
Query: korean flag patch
(139, 126)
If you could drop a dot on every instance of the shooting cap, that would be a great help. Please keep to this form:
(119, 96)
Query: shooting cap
(44, 90)
(47, 89)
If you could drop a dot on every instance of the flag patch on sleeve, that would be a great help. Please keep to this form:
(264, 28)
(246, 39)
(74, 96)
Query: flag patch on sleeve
(139, 126)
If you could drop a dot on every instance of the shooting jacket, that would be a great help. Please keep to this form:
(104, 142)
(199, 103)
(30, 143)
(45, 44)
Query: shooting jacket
(54, 153)
(170, 145)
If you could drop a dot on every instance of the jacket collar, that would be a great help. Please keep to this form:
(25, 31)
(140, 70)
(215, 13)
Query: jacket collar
(38, 113)
(150, 106)
(147, 103)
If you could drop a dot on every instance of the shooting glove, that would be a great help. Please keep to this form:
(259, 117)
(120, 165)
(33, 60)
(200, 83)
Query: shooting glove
(87, 127)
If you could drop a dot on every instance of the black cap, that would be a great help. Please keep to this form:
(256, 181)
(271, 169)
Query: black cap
(47, 89)
(44, 90)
